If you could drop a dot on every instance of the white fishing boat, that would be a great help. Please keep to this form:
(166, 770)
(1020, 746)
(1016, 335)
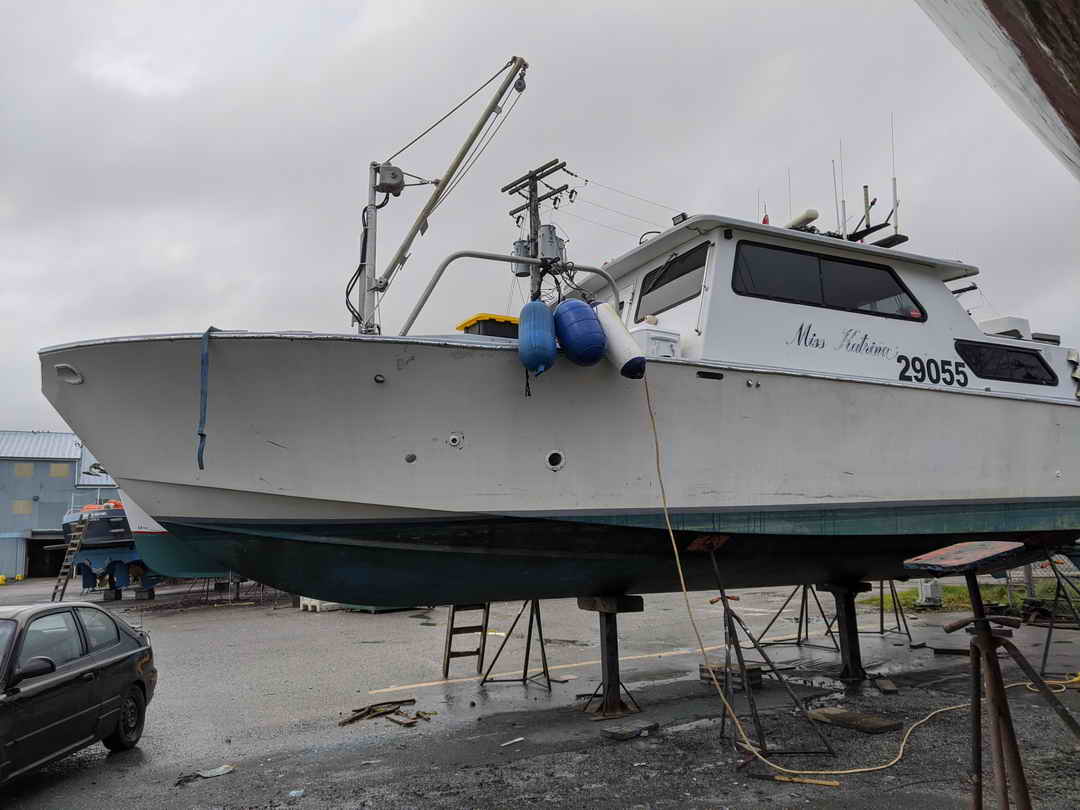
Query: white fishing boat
(824, 408)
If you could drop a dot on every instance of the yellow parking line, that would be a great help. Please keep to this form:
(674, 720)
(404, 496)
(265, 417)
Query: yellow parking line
(538, 669)
(667, 654)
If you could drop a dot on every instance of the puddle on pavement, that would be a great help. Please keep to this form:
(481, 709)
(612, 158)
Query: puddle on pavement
(568, 642)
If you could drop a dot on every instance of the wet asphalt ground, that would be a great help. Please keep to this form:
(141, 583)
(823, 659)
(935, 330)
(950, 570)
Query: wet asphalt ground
(262, 687)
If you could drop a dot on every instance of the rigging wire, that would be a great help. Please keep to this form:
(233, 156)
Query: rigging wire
(461, 104)
(588, 181)
(617, 211)
(594, 222)
(481, 145)
(354, 279)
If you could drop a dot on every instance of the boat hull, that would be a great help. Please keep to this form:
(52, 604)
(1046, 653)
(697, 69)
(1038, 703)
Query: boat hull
(489, 559)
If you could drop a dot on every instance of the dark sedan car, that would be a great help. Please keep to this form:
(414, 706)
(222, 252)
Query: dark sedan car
(71, 675)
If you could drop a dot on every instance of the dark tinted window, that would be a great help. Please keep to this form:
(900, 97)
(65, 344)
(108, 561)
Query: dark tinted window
(1011, 364)
(7, 632)
(867, 289)
(778, 274)
(806, 278)
(677, 280)
(53, 636)
(100, 629)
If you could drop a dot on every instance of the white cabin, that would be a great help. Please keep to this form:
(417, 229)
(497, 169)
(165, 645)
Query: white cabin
(715, 290)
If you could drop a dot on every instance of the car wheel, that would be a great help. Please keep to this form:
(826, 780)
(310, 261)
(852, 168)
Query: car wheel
(129, 727)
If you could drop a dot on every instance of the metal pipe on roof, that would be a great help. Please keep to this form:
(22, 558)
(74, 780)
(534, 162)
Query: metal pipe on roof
(493, 257)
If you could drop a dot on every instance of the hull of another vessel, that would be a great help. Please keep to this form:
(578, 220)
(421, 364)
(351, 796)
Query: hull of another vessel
(166, 553)
(383, 470)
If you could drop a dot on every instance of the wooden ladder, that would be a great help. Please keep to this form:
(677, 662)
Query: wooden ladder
(60, 588)
(453, 630)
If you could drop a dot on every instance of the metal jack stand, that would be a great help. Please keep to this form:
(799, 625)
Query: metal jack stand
(1061, 591)
(611, 688)
(898, 613)
(731, 642)
(847, 627)
(534, 617)
(970, 559)
(802, 636)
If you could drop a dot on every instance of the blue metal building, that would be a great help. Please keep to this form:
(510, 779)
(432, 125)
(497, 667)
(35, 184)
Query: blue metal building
(42, 474)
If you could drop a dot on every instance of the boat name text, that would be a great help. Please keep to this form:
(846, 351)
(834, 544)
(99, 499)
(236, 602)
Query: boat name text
(855, 341)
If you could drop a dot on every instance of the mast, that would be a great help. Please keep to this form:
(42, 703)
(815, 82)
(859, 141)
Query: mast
(367, 283)
(516, 70)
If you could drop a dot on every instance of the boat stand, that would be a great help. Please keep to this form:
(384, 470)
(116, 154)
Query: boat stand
(802, 635)
(899, 616)
(534, 620)
(611, 688)
(733, 644)
(1064, 589)
(970, 559)
(847, 627)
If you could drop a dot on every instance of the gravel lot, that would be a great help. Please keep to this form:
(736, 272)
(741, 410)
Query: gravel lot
(262, 688)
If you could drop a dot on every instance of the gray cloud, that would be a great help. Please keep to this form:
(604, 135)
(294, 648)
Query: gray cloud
(169, 166)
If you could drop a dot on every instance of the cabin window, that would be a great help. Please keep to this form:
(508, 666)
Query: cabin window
(783, 274)
(676, 281)
(992, 361)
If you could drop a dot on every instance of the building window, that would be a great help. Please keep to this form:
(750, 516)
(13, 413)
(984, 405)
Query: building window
(24, 469)
(992, 361)
(783, 274)
(22, 507)
(59, 470)
(676, 281)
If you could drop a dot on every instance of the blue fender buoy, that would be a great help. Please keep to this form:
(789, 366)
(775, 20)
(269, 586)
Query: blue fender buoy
(536, 337)
(579, 332)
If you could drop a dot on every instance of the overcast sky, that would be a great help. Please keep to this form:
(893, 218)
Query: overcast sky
(171, 166)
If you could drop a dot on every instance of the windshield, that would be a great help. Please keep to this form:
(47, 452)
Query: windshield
(7, 632)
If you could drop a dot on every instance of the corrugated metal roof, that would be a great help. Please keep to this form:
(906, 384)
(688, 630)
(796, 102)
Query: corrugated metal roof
(39, 444)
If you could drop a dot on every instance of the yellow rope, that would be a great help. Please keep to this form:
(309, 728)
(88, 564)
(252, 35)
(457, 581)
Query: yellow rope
(746, 743)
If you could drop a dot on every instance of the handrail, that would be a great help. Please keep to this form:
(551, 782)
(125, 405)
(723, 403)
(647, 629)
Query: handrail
(494, 257)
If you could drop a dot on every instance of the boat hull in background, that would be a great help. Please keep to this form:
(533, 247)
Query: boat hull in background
(165, 553)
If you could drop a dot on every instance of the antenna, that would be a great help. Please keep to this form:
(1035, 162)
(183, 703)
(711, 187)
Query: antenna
(836, 196)
(895, 199)
(843, 202)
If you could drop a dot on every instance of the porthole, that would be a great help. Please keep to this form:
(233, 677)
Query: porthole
(555, 460)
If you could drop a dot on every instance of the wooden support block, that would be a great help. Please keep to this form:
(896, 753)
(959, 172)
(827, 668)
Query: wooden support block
(753, 674)
(612, 604)
(885, 686)
(627, 731)
(860, 721)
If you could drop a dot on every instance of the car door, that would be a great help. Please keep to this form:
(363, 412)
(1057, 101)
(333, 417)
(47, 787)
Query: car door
(55, 713)
(112, 653)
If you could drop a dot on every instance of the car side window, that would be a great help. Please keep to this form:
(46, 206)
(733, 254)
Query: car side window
(100, 629)
(54, 636)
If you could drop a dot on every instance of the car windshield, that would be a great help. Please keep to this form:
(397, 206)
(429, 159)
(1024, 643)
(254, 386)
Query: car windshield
(7, 633)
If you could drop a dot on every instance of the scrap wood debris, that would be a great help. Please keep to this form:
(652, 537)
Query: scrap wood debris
(779, 777)
(221, 770)
(391, 710)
